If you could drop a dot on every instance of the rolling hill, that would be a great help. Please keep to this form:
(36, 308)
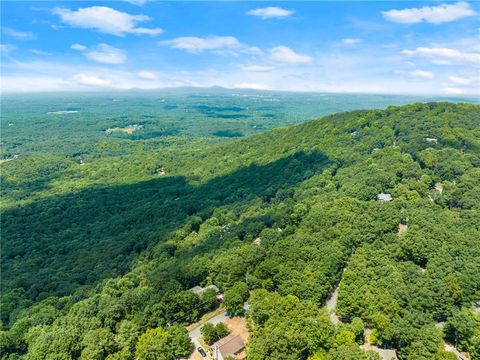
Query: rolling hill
(98, 252)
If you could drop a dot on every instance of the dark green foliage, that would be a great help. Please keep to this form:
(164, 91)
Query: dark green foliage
(160, 344)
(352, 352)
(209, 333)
(208, 300)
(461, 328)
(98, 259)
(228, 134)
(212, 333)
(235, 298)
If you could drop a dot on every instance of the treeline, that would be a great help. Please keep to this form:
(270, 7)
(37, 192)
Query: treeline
(281, 215)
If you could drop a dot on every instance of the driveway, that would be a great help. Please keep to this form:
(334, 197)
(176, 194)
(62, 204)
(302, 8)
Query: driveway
(453, 349)
(195, 334)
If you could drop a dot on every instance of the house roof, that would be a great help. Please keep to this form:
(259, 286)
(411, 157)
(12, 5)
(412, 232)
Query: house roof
(229, 345)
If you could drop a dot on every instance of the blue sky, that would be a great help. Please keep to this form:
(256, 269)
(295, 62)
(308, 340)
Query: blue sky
(368, 47)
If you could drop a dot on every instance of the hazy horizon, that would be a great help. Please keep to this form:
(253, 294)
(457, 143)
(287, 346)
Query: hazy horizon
(370, 47)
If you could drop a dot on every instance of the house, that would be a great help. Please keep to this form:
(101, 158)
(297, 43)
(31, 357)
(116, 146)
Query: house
(385, 354)
(229, 346)
(198, 290)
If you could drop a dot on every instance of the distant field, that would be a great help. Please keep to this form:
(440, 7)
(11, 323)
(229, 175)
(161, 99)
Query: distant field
(72, 124)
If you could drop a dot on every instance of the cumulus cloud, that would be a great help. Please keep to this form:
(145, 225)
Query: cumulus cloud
(432, 14)
(257, 68)
(271, 12)
(106, 20)
(284, 54)
(444, 55)
(20, 35)
(422, 74)
(102, 53)
(90, 80)
(453, 91)
(222, 45)
(351, 41)
(147, 75)
(461, 80)
(78, 47)
(106, 54)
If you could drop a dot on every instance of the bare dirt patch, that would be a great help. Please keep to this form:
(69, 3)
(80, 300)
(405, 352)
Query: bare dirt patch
(238, 326)
(402, 229)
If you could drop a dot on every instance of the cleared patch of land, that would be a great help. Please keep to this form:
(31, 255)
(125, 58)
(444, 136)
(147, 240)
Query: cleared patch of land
(130, 129)
(238, 326)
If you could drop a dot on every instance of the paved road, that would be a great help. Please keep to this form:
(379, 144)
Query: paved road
(331, 305)
(452, 349)
(195, 334)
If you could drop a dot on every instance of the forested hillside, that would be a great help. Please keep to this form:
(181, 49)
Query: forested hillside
(169, 218)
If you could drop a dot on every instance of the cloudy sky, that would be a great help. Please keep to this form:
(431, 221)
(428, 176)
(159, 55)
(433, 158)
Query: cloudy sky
(369, 47)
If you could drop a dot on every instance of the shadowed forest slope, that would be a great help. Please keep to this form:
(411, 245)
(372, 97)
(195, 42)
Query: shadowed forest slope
(94, 255)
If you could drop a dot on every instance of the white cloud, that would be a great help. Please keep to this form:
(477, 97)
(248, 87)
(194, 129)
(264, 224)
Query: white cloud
(453, 91)
(461, 80)
(367, 72)
(78, 47)
(147, 75)
(286, 55)
(222, 45)
(137, 2)
(29, 83)
(351, 41)
(90, 80)
(7, 48)
(39, 52)
(432, 14)
(255, 86)
(102, 53)
(257, 68)
(20, 35)
(422, 74)
(444, 55)
(271, 12)
(106, 54)
(106, 20)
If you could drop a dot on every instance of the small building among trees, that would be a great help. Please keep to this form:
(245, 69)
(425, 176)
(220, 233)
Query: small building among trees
(230, 346)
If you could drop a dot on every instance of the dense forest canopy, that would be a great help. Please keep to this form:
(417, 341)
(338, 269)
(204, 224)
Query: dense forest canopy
(98, 255)
(98, 124)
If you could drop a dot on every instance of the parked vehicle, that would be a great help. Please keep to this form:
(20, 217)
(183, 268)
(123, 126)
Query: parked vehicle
(201, 351)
